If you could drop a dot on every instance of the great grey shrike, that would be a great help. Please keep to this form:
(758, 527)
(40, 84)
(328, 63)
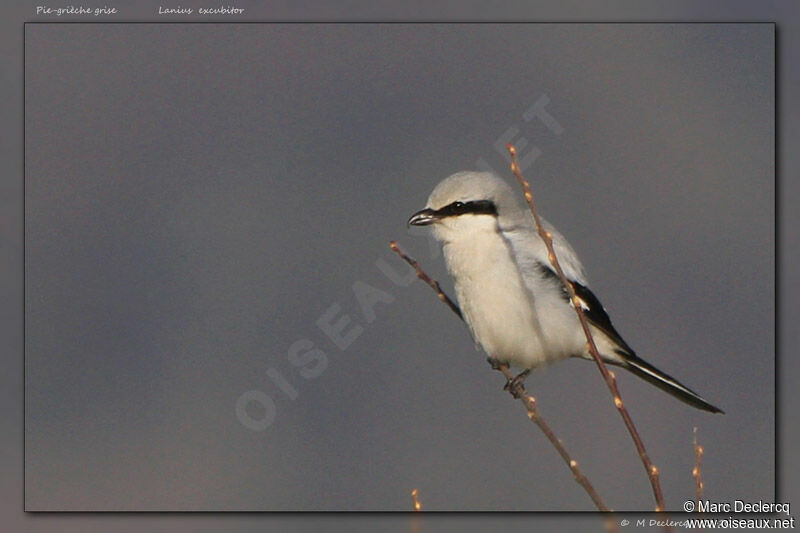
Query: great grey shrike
(513, 302)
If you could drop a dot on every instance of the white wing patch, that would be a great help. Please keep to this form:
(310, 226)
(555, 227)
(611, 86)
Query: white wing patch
(583, 303)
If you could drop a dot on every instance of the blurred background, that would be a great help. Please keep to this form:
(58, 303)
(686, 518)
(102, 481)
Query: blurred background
(200, 198)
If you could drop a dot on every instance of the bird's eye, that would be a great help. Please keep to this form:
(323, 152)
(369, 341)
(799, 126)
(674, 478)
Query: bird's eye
(458, 205)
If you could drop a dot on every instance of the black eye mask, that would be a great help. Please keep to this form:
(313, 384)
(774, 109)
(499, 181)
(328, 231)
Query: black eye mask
(477, 207)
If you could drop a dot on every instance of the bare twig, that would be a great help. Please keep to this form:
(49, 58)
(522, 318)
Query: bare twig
(516, 388)
(427, 279)
(697, 470)
(415, 500)
(609, 377)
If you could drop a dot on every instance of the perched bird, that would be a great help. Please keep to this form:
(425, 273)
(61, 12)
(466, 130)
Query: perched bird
(511, 298)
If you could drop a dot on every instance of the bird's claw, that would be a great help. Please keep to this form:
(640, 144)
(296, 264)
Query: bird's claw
(516, 385)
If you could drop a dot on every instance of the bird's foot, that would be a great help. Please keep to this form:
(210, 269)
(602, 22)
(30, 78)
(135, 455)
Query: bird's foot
(496, 364)
(516, 385)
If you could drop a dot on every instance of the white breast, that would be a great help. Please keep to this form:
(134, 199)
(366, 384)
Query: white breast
(509, 321)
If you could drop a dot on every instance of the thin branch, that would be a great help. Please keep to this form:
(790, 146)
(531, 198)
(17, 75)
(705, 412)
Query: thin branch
(415, 500)
(697, 470)
(611, 381)
(516, 388)
(427, 279)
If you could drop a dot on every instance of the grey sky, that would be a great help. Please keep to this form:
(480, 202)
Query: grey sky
(199, 195)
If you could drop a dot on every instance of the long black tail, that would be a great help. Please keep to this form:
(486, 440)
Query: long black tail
(665, 382)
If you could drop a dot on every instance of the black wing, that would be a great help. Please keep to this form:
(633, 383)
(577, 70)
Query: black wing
(598, 317)
(593, 310)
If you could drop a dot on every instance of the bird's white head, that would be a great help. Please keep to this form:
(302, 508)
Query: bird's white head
(469, 202)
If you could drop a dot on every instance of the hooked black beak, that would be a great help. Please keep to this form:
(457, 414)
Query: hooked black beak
(423, 218)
